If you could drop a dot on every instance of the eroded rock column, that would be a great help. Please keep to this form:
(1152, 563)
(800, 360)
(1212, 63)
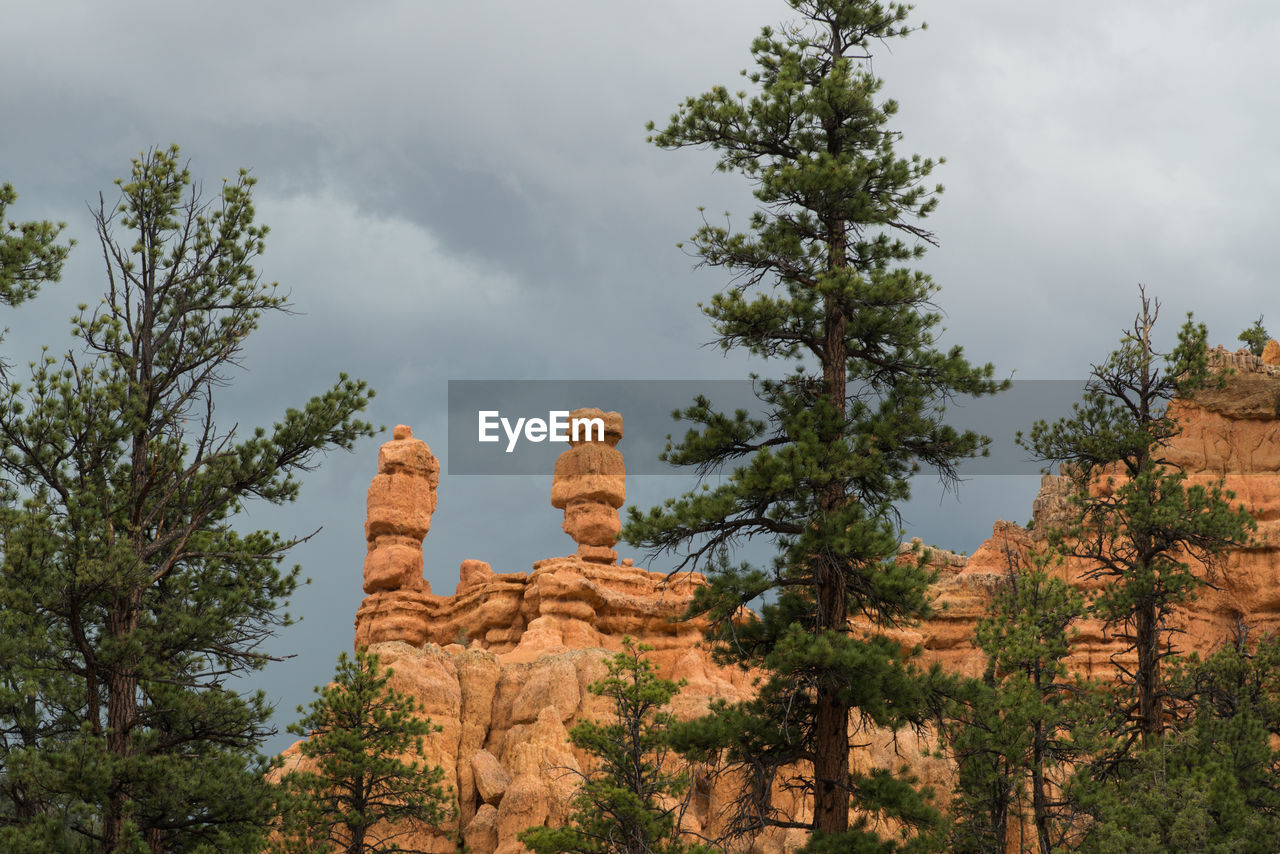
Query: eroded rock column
(401, 500)
(590, 484)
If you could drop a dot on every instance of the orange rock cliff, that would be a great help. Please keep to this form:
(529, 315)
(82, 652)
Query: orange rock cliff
(503, 665)
(1232, 433)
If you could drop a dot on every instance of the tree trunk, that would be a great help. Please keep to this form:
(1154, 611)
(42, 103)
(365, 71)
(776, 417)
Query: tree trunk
(1150, 719)
(1000, 821)
(359, 806)
(1039, 801)
(831, 743)
(122, 711)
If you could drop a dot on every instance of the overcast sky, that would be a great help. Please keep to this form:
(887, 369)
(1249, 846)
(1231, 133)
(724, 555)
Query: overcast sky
(463, 191)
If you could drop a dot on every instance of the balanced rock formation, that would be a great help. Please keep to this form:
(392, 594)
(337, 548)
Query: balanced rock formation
(504, 664)
(401, 500)
(590, 483)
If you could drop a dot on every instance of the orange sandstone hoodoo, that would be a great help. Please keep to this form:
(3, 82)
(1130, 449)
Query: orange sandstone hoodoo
(590, 484)
(401, 500)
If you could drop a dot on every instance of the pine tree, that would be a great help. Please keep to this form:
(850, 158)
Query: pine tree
(1255, 337)
(30, 256)
(29, 253)
(1242, 677)
(630, 802)
(1137, 521)
(355, 791)
(1213, 783)
(128, 599)
(821, 283)
(1023, 724)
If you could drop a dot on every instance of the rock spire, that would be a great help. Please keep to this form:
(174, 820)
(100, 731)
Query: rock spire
(590, 484)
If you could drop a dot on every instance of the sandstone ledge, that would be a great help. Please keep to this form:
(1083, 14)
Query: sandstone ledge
(564, 603)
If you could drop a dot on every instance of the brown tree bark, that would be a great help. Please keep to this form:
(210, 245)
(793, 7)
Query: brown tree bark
(1150, 717)
(122, 689)
(831, 728)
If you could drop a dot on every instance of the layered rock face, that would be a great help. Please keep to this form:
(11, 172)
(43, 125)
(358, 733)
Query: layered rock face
(1232, 433)
(504, 663)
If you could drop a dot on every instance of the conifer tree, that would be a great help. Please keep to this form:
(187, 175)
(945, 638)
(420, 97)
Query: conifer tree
(1138, 523)
(1255, 337)
(630, 802)
(29, 253)
(30, 256)
(1020, 727)
(1213, 782)
(1242, 677)
(128, 600)
(821, 285)
(356, 792)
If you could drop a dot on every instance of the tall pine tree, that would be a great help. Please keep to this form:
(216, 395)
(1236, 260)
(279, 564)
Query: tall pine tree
(128, 600)
(821, 283)
(1138, 523)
